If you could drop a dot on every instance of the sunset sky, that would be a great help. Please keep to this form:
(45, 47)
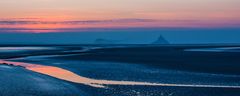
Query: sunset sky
(71, 14)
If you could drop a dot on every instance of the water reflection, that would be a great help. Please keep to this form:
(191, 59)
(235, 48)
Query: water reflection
(219, 49)
(17, 49)
(72, 77)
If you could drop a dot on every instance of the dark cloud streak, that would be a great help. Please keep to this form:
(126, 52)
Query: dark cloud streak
(19, 22)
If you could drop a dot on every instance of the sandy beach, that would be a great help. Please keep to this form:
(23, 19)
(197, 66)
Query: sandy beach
(106, 70)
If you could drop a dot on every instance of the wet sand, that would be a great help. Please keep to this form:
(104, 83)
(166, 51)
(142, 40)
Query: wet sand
(67, 75)
(170, 57)
(40, 85)
(107, 68)
(16, 81)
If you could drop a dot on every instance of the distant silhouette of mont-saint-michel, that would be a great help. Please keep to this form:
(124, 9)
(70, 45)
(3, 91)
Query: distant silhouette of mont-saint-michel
(161, 40)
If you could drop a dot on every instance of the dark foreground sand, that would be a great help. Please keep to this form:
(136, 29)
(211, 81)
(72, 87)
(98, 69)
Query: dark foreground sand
(16, 81)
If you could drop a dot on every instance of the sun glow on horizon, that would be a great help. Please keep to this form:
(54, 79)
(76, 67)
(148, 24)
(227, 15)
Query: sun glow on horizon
(73, 14)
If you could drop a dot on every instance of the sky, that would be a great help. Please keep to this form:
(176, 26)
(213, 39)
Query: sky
(51, 14)
(61, 16)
